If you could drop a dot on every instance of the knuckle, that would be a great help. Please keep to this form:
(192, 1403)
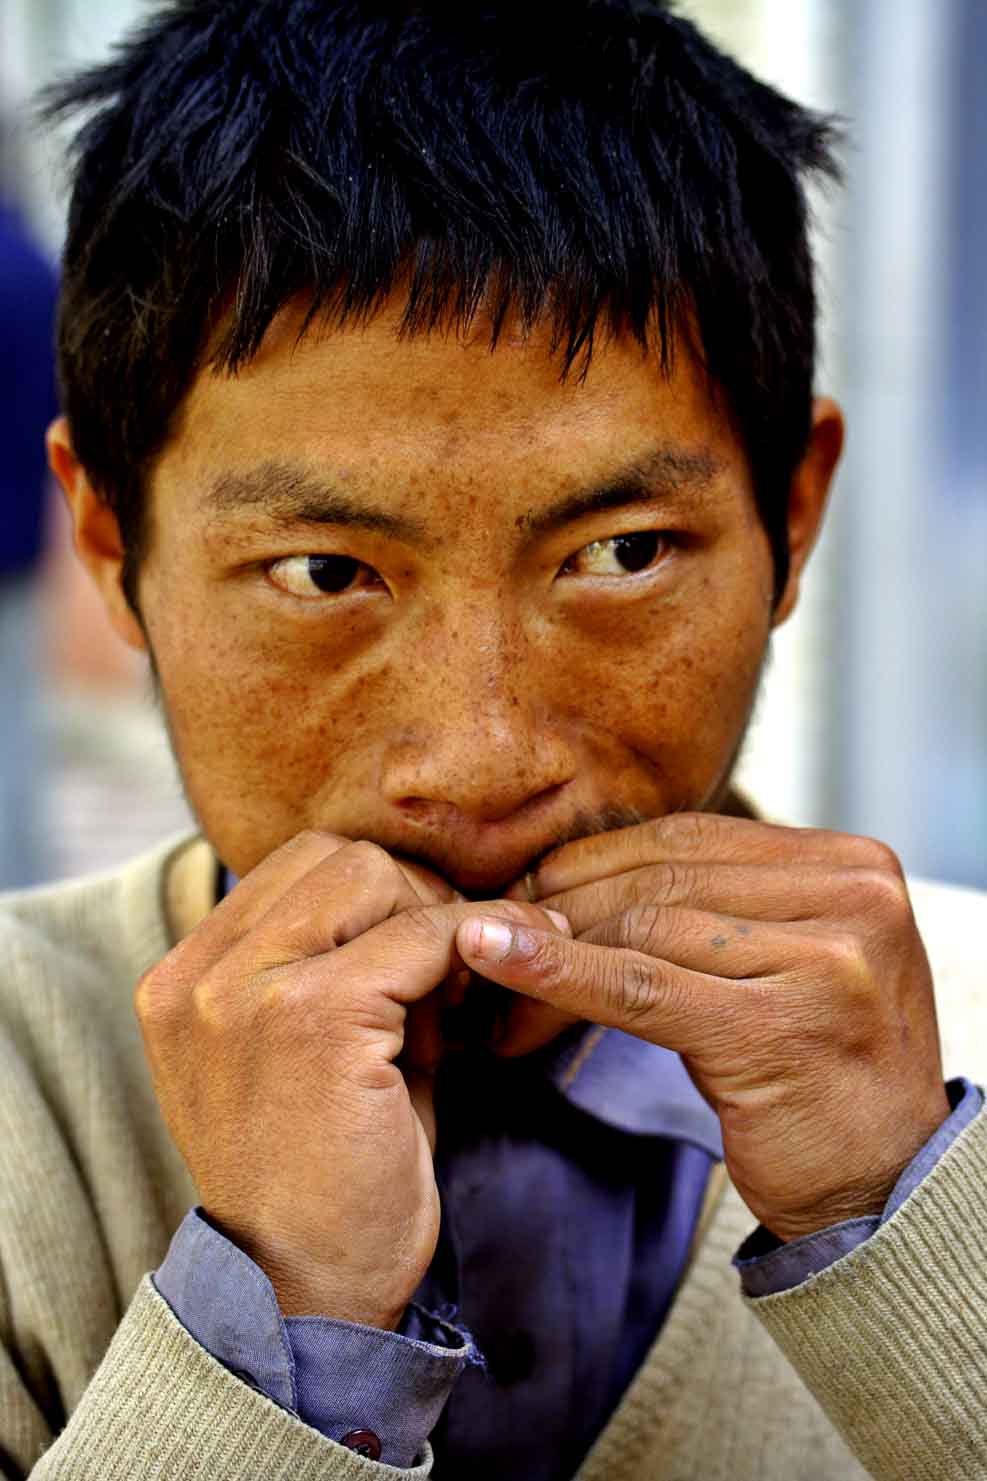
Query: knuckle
(633, 987)
(846, 955)
(147, 998)
(678, 884)
(645, 927)
(880, 856)
(309, 840)
(368, 857)
(684, 828)
(222, 1004)
(303, 840)
(884, 891)
(425, 922)
(209, 1003)
(156, 995)
(666, 888)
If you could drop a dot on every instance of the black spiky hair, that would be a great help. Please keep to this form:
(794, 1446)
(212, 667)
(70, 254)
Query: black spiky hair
(599, 165)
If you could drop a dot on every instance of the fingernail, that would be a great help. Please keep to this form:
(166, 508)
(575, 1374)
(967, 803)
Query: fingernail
(562, 921)
(491, 939)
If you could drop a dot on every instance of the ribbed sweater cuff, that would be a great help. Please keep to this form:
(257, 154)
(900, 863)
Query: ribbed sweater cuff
(891, 1339)
(160, 1406)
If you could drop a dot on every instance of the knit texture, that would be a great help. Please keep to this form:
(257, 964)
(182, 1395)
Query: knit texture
(874, 1367)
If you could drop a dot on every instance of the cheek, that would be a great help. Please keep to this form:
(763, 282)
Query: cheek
(266, 727)
(681, 673)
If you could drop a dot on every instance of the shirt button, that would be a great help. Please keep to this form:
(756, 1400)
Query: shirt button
(510, 1356)
(364, 1442)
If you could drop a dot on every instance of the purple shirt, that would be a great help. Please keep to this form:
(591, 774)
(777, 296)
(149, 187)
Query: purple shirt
(571, 1184)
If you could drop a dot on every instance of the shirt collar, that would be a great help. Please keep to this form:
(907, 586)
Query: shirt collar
(634, 1086)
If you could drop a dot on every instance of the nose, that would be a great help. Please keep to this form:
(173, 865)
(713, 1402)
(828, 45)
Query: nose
(481, 742)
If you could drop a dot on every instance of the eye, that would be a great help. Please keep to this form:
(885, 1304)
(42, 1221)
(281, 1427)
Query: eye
(620, 555)
(321, 575)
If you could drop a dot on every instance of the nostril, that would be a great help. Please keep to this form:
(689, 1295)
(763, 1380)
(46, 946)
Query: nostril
(487, 809)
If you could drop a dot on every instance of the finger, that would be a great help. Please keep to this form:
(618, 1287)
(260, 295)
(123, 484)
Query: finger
(314, 893)
(421, 1089)
(721, 946)
(255, 894)
(478, 1015)
(529, 1026)
(424, 1045)
(761, 892)
(693, 837)
(431, 888)
(405, 957)
(652, 999)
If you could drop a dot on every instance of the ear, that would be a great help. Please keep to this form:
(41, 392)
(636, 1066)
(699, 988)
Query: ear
(807, 497)
(96, 532)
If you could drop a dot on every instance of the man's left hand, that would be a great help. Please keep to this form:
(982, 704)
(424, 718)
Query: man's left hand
(784, 965)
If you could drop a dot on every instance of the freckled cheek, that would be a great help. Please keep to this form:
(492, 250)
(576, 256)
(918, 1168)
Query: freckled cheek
(249, 712)
(286, 721)
(676, 685)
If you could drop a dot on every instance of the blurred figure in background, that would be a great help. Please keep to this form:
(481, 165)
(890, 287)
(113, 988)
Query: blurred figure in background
(27, 404)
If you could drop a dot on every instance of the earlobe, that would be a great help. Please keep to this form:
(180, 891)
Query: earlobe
(96, 532)
(809, 490)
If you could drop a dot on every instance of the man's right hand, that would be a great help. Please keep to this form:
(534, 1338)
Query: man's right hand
(273, 1032)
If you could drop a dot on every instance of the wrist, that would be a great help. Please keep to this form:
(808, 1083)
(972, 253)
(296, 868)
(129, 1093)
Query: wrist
(365, 1299)
(303, 1288)
(864, 1198)
(336, 1303)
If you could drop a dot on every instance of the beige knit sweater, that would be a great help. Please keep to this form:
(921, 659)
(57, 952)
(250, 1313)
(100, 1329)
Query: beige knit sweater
(882, 1357)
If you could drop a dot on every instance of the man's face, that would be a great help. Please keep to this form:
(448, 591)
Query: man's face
(544, 607)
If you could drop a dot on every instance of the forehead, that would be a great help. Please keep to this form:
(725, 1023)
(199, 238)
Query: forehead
(366, 402)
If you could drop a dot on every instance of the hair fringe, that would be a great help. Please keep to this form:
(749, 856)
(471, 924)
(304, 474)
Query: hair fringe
(611, 173)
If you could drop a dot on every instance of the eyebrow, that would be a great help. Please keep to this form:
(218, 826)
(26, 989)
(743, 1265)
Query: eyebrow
(659, 474)
(288, 494)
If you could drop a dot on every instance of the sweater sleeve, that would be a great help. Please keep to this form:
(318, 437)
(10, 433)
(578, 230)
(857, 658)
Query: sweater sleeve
(160, 1406)
(339, 1377)
(86, 1395)
(892, 1340)
(768, 1266)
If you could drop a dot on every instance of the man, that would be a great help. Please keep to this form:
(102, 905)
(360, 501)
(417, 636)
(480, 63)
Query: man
(27, 380)
(439, 420)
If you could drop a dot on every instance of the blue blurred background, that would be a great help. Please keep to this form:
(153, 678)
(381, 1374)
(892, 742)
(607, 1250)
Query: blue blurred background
(874, 714)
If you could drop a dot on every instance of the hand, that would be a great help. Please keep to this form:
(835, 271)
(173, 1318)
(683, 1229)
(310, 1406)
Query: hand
(273, 1032)
(786, 968)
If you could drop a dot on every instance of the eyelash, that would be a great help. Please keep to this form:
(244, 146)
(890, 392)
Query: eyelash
(663, 539)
